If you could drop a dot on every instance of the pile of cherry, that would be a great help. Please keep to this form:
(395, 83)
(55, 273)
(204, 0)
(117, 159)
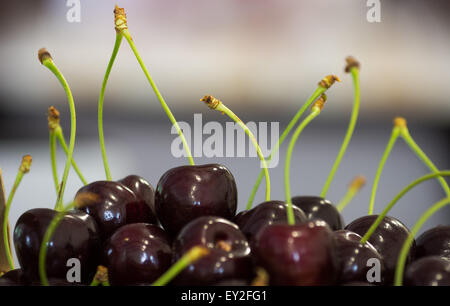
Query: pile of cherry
(138, 233)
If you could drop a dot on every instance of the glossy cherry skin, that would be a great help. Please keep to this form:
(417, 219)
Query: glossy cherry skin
(137, 254)
(428, 271)
(297, 255)
(75, 237)
(229, 256)
(387, 239)
(317, 208)
(252, 221)
(145, 193)
(353, 257)
(13, 278)
(188, 192)
(434, 242)
(112, 206)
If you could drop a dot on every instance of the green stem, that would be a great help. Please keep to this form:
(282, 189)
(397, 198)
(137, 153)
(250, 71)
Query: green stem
(320, 90)
(53, 159)
(192, 255)
(404, 133)
(346, 199)
(386, 210)
(398, 279)
(101, 99)
(287, 185)
(351, 127)
(166, 108)
(394, 135)
(62, 141)
(48, 62)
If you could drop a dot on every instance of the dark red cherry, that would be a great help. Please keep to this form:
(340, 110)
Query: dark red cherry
(13, 278)
(112, 206)
(296, 255)
(317, 208)
(145, 193)
(387, 239)
(188, 192)
(75, 237)
(229, 256)
(137, 254)
(252, 221)
(434, 242)
(353, 258)
(428, 271)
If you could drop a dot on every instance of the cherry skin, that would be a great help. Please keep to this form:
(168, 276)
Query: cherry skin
(13, 278)
(188, 192)
(229, 253)
(428, 271)
(112, 205)
(317, 208)
(273, 212)
(354, 256)
(76, 236)
(434, 242)
(137, 254)
(296, 255)
(387, 239)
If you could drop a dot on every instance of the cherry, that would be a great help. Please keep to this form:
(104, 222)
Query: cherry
(428, 271)
(13, 278)
(188, 192)
(387, 239)
(273, 212)
(75, 237)
(353, 257)
(229, 256)
(317, 208)
(435, 241)
(297, 254)
(137, 254)
(113, 206)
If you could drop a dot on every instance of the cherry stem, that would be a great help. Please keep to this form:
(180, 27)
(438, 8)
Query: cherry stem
(315, 111)
(122, 27)
(190, 257)
(354, 187)
(354, 70)
(394, 135)
(53, 159)
(24, 168)
(101, 99)
(398, 279)
(101, 277)
(218, 105)
(46, 60)
(404, 133)
(391, 204)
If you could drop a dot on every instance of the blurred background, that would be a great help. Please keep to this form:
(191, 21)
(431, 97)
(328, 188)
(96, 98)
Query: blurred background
(262, 58)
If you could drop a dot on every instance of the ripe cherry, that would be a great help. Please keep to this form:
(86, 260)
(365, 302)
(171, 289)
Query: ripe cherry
(317, 208)
(434, 242)
(428, 271)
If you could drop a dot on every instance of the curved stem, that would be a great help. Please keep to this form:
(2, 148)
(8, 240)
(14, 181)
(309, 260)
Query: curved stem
(53, 159)
(386, 210)
(394, 135)
(351, 127)
(191, 256)
(354, 187)
(100, 104)
(166, 108)
(62, 141)
(287, 185)
(404, 133)
(398, 279)
(320, 90)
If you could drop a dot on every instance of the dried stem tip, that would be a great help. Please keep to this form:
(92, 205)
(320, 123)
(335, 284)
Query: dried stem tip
(320, 102)
(43, 54)
(101, 275)
(26, 164)
(53, 118)
(400, 122)
(86, 199)
(223, 245)
(261, 279)
(120, 18)
(351, 62)
(329, 80)
(358, 183)
(211, 101)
